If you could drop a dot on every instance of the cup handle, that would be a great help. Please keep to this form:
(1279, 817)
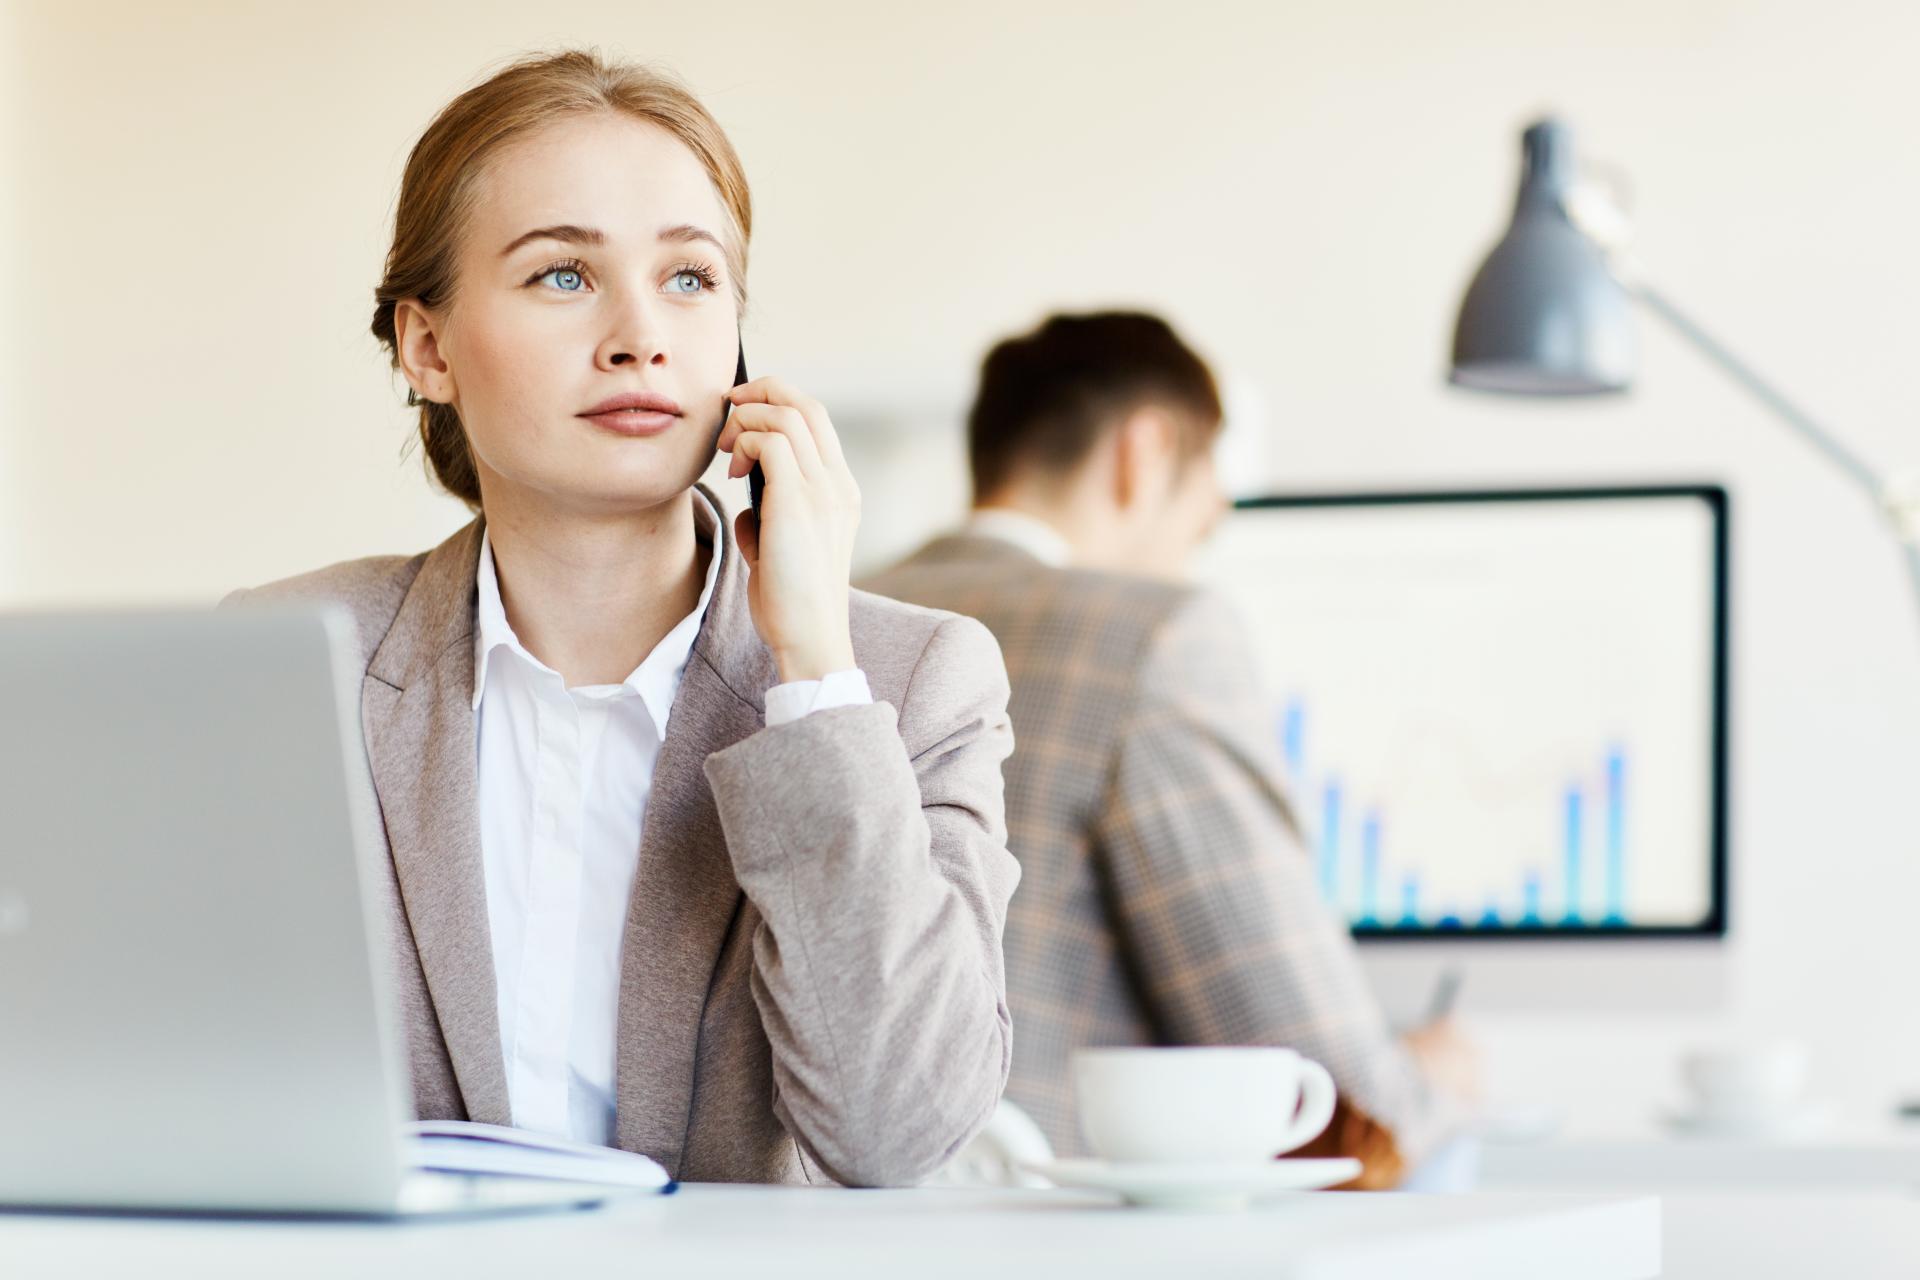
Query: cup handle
(1316, 1105)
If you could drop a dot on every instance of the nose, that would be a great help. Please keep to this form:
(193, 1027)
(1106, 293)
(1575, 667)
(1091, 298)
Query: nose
(634, 335)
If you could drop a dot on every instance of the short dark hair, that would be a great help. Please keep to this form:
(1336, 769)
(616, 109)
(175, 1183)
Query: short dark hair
(1047, 397)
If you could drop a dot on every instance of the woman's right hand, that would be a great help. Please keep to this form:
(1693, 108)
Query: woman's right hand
(800, 545)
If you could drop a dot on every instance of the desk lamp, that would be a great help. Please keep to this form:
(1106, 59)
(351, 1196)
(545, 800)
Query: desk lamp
(1548, 314)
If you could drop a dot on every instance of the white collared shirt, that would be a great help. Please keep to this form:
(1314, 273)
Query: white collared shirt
(1029, 533)
(564, 778)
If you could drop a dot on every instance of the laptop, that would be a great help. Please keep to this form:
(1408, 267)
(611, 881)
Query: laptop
(192, 1010)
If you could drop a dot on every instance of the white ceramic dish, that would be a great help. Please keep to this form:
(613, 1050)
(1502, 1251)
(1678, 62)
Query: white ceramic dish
(1217, 1185)
(1801, 1120)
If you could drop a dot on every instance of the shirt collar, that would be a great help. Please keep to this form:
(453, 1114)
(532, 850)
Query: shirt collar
(1029, 533)
(656, 680)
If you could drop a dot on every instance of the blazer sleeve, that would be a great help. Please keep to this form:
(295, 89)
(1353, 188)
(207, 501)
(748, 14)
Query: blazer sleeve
(1215, 897)
(873, 844)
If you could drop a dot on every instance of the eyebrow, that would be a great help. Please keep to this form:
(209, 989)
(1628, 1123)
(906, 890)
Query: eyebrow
(570, 234)
(565, 232)
(687, 231)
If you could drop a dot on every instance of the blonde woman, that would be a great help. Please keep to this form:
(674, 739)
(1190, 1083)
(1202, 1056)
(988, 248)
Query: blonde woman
(694, 851)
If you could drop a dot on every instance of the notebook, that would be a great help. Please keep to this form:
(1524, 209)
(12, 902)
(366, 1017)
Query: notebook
(468, 1147)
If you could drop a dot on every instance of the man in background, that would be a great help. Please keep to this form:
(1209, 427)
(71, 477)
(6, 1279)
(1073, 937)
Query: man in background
(1166, 895)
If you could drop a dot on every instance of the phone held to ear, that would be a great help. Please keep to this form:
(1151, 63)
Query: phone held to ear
(756, 478)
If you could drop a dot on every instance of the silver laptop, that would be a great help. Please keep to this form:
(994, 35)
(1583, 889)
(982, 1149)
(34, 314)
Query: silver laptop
(190, 1016)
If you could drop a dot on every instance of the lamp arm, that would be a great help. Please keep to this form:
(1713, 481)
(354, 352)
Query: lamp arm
(1822, 439)
(1898, 500)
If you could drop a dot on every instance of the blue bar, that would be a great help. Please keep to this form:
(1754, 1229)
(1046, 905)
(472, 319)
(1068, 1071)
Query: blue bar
(1330, 842)
(1531, 896)
(1370, 868)
(1409, 901)
(1573, 855)
(1293, 736)
(1616, 837)
(1490, 918)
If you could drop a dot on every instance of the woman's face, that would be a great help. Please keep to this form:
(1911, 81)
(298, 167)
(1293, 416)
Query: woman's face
(593, 268)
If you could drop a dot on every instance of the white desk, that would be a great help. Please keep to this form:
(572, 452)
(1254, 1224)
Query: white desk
(791, 1234)
(1758, 1235)
(1646, 1158)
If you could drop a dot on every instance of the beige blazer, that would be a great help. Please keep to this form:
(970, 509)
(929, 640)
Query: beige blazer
(811, 977)
(1166, 894)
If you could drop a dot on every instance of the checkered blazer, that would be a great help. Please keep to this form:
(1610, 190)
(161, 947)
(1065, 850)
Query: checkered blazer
(1166, 896)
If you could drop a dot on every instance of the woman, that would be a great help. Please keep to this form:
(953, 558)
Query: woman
(693, 851)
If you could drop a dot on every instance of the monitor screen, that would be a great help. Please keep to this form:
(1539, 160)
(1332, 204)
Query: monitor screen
(1498, 714)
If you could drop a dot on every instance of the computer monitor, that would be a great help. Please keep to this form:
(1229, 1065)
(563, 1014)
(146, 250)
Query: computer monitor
(1501, 715)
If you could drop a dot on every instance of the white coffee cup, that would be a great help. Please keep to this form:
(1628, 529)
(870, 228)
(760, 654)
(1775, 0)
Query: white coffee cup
(1199, 1104)
(1746, 1083)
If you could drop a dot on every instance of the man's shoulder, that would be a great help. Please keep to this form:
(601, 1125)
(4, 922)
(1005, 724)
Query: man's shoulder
(1014, 592)
(1156, 630)
(1130, 605)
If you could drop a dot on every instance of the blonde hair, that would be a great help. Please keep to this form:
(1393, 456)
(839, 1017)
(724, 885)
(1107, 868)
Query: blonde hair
(437, 194)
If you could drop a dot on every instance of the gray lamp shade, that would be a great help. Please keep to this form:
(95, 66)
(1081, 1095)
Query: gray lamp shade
(1544, 316)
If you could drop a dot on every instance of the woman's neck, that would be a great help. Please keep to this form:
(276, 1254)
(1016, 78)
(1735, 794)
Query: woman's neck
(591, 597)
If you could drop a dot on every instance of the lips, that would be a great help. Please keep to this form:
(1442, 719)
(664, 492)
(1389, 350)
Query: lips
(634, 413)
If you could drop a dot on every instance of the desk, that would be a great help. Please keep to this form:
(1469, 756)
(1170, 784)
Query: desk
(1645, 1159)
(796, 1233)
(1774, 1236)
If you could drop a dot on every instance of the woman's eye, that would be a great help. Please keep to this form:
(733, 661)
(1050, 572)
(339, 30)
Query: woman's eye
(686, 282)
(566, 279)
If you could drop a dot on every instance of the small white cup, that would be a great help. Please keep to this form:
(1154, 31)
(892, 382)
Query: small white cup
(1746, 1084)
(1199, 1104)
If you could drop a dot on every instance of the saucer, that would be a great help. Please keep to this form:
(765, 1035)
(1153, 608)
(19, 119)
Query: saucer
(1798, 1121)
(1229, 1185)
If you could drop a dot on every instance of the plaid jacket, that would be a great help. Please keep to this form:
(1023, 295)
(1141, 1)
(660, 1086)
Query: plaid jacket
(1166, 896)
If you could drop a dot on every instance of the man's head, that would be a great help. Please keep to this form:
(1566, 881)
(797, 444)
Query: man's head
(1101, 424)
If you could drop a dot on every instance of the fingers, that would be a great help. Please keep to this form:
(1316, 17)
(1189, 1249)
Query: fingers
(772, 450)
(799, 544)
(770, 419)
(778, 391)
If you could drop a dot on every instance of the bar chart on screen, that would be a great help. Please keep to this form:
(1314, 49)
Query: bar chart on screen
(1492, 717)
(1574, 875)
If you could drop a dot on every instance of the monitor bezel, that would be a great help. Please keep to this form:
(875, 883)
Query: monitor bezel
(1715, 924)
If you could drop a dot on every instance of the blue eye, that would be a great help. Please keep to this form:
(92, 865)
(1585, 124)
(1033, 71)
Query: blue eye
(688, 282)
(567, 279)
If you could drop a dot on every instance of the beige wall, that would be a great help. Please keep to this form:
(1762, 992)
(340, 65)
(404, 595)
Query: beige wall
(193, 400)
(12, 189)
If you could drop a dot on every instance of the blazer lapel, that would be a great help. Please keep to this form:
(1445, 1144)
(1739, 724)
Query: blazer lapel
(417, 703)
(685, 897)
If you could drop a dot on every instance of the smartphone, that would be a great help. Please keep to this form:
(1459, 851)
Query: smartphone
(756, 478)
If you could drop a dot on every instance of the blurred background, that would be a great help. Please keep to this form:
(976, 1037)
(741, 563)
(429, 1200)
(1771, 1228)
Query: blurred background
(197, 200)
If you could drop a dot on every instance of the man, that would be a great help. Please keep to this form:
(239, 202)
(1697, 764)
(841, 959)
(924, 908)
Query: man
(1166, 895)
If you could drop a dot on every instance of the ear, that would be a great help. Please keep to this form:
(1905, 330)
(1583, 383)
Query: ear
(416, 341)
(1143, 448)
